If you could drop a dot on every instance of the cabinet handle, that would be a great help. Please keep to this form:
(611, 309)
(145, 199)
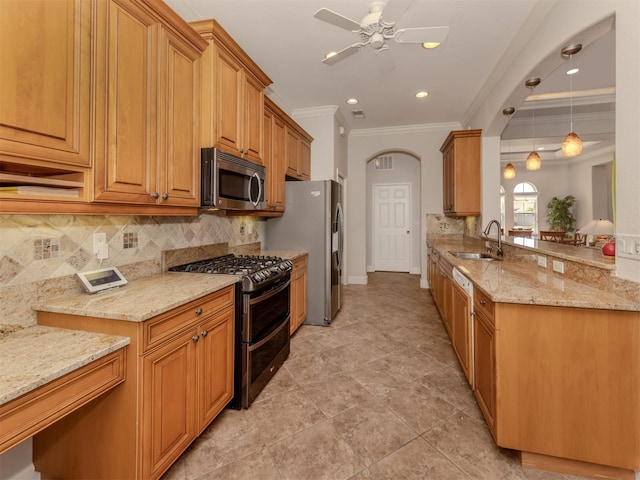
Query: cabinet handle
(195, 338)
(198, 311)
(482, 302)
(165, 196)
(155, 195)
(204, 333)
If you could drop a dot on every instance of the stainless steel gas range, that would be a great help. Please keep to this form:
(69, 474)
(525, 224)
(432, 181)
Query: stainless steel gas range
(262, 317)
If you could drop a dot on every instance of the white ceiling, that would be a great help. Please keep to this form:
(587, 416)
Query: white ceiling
(288, 43)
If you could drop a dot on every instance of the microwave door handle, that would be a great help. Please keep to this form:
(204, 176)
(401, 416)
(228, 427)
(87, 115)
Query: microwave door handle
(257, 177)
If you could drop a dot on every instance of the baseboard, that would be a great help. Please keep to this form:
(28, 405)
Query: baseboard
(358, 280)
(424, 283)
(575, 467)
(370, 268)
(415, 271)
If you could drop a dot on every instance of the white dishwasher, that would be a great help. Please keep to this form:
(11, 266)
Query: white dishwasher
(466, 285)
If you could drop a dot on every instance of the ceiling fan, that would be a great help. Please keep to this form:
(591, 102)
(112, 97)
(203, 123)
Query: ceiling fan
(375, 31)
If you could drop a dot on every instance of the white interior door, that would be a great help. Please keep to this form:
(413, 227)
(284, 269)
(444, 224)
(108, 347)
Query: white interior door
(392, 227)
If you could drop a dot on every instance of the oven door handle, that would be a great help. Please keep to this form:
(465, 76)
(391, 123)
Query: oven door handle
(276, 331)
(270, 293)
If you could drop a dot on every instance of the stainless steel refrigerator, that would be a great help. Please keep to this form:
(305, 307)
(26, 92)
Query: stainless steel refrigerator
(312, 221)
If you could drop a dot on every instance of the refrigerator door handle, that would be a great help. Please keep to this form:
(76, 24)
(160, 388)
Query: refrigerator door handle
(338, 221)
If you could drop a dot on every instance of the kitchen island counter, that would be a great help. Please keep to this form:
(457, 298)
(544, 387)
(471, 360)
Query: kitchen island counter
(518, 279)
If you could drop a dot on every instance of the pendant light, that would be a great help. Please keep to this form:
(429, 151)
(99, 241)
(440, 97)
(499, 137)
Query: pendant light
(572, 143)
(509, 171)
(533, 161)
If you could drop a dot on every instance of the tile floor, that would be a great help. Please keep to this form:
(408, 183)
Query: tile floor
(378, 395)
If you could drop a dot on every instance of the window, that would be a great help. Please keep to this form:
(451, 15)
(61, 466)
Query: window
(525, 206)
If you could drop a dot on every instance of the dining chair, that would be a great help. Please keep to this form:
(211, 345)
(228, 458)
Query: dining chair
(550, 236)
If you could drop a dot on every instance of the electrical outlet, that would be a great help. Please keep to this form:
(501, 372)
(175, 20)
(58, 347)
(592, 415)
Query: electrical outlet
(558, 266)
(98, 239)
(542, 261)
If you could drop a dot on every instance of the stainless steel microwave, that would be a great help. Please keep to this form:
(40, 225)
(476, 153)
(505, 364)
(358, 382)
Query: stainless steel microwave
(229, 182)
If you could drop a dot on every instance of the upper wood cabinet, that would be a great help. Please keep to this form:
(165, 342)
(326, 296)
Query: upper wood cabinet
(461, 173)
(147, 108)
(232, 95)
(274, 157)
(45, 83)
(298, 153)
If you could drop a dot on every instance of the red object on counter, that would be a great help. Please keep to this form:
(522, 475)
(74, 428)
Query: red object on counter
(609, 249)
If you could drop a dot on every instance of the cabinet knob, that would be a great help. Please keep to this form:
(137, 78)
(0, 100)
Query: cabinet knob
(204, 333)
(155, 195)
(195, 338)
(165, 196)
(198, 311)
(482, 302)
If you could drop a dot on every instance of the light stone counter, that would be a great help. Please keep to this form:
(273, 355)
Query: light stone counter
(33, 356)
(140, 299)
(518, 279)
(286, 254)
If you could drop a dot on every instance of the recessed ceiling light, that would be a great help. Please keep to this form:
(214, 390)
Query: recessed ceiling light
(421, 94)
(573, 71)
(352, 101)
(330, 54)
(430, 45)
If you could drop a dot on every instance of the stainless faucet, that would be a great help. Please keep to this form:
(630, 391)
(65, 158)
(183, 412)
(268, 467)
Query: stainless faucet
(486, 232)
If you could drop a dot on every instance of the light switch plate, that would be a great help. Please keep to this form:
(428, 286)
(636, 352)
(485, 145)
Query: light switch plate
(98, 238)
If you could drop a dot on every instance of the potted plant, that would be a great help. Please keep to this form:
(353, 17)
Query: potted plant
(559, 214)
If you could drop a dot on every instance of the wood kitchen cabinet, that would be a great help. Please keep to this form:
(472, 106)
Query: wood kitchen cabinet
(147, 107)
(232, 95)
(45, 96)
(461, 173)
(116, 119)
(460, 322)
(274, 149)
(179, 377)
(298, 153)
(484, 357)
(298, 292)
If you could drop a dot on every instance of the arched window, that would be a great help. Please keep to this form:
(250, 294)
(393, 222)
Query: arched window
(525, 206)
(503, 208)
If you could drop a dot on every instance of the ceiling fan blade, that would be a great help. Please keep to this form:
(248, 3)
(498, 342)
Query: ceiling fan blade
(342, 54)
(336, 19)
(421, 35)
(395, 9)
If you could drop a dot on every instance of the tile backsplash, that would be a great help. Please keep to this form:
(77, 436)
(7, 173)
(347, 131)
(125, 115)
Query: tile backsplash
(40, 254)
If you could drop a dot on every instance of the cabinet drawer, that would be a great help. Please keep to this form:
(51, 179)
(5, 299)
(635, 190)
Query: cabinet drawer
(164, 327)
(299, 263)
(482, 303)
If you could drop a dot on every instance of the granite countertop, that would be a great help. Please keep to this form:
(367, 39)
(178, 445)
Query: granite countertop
(34, 356)
(142, 298)
(513, 280)
(286, 254)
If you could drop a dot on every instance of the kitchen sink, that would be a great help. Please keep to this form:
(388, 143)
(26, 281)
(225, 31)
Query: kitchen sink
(474, 256)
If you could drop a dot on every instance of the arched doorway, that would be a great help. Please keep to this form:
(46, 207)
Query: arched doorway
(393, 211)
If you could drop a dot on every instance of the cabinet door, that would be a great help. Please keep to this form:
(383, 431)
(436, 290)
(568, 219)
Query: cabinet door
(484, 368)
(215, 366)
(305, 159)
(45, 50)
(279, 136)
(253, 112)
(228, 102)
(301, 297)
(291, 152)
(179, 114)
(461, 326)
(125, 169)
(168, 410)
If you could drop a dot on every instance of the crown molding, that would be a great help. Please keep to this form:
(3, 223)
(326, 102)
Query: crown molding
(427, 127)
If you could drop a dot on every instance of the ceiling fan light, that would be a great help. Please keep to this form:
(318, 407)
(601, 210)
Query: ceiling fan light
(533, 161)
(572, 145)
(430, 45)
(330, 54)
(509, 171)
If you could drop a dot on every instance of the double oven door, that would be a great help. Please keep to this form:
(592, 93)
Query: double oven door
(264, 337)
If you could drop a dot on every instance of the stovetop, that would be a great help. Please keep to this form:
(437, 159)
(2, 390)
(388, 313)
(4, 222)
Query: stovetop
(257, 271)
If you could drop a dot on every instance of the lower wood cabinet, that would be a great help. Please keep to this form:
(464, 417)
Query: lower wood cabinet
(179, 377)
(298, 292)
(484, 358)
(460, 322)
